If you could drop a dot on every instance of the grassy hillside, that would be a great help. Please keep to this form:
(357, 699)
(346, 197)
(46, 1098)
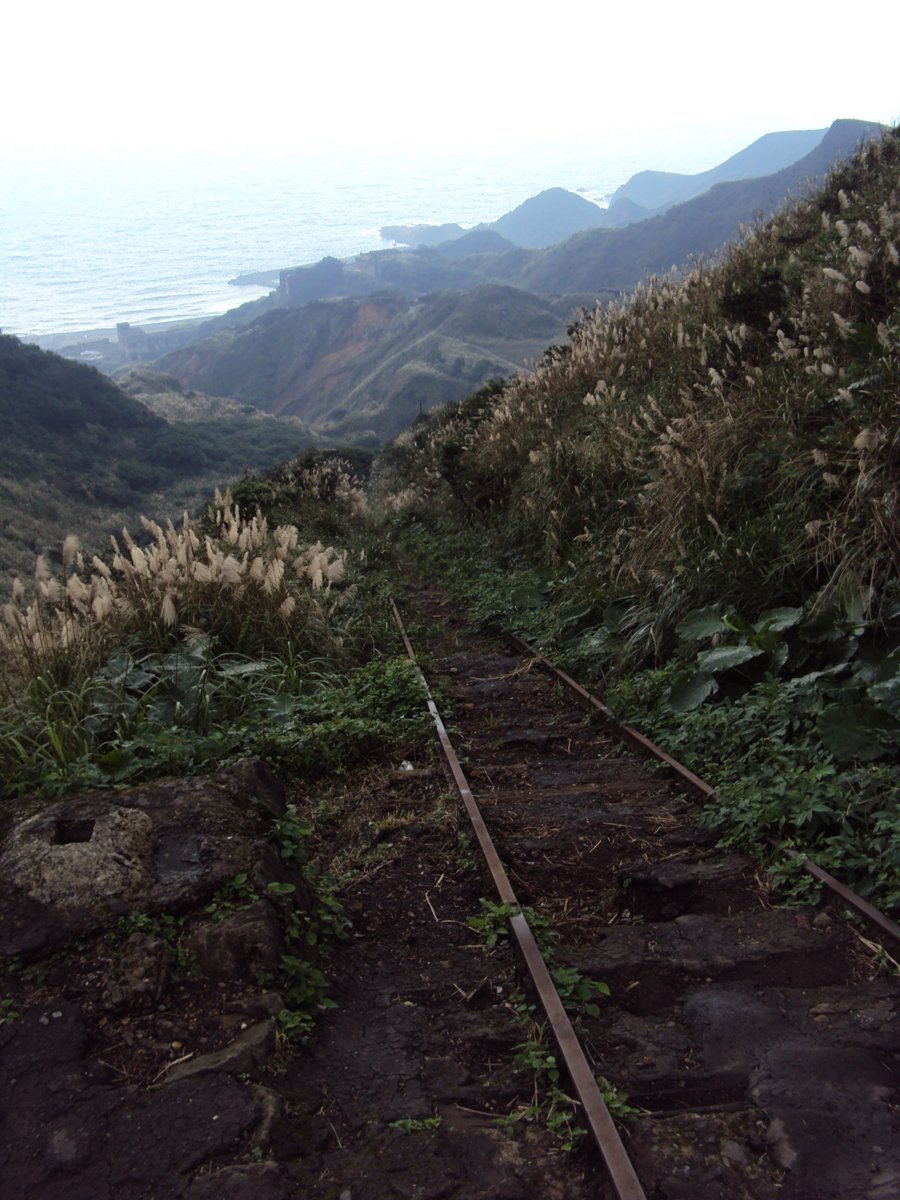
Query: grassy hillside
(697, 496)
(361, 349)
(78, 454)
(366, 368)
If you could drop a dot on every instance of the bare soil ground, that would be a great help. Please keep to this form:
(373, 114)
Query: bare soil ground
(758, 1046)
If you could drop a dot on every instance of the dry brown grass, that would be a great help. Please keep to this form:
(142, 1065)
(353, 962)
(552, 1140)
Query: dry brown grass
(736, 427)
(231, 576)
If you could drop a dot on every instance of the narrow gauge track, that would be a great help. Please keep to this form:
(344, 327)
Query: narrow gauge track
(758, 1045)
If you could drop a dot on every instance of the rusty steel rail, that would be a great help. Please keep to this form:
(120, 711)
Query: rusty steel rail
(618, 1166)
(889, 930)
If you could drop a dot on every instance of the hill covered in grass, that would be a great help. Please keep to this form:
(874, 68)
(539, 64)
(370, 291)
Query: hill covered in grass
(696, 499)
(364, 368)
(655, 190)
(78, 454)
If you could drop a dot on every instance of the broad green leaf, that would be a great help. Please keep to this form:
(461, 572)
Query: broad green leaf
(283, 706)
(528, 598)
(281, 889)
(120, 763)
(238, 669)
(722, 658)
(701, 623)
(779, 619)
(690, 693)
(857, 730)
(855, 599)
(779, 656)
(569, 616)
(616, 615)
(886, 694)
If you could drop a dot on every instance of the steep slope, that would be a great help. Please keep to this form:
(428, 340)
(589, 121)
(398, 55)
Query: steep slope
(767, 155)
(555, 214)
(697, 500)
(733, 435)
(79, 454)
(364, 363)
(369, 366)
(618, 259)
(276, 363)
(613, 249)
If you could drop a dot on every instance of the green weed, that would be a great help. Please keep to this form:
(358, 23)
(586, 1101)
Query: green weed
(416, 1124)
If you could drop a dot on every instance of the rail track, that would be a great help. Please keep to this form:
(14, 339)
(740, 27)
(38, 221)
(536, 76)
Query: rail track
(759, 1045)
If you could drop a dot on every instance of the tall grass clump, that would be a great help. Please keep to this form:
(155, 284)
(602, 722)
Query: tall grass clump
(176, 645)
(321, 490)
(229, 577)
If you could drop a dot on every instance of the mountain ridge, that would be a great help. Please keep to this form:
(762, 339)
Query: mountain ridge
(270, 362)
(317, 360)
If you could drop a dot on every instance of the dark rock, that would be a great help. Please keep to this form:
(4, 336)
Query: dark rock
(139, 976)
(162, 846)
(780, 944)
(68, 1134)
(254, 1181)
(173, 1131)
(270, 1106)
(244, 944)
(270, 867)
(249, 1050)
(269, 1004)
(534, 739)
(824, 1104)
(673, 875)
(31, 1045)
(259, 788)
(29, 927)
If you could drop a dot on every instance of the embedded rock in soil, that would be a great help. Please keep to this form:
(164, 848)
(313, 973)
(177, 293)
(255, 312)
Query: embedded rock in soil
(248, 1050)
(138, 979)
(716, 1156)
(662, 891)
(69, 1133)
(821, 1100)
(656, 960)
(255, 1181)
(244, 945)
(84, 860)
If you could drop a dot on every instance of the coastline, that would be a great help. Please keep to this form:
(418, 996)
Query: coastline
(59, 341)
(103, 349)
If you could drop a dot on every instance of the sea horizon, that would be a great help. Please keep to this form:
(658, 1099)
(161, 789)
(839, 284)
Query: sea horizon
(86, 245)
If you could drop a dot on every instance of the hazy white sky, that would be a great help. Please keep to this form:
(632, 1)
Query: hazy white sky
(181, 74)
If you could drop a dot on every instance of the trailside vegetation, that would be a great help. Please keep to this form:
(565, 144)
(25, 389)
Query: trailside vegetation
(694, 502)
(235, 634)
(193, 645)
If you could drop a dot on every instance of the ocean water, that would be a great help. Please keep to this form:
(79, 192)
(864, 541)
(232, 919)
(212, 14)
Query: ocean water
(89, 242)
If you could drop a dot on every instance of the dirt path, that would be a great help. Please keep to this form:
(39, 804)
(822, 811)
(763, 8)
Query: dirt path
(758, 1042)
(756, 1046)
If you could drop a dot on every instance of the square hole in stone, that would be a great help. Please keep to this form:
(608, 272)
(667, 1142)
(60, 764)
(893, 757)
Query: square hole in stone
(73, 829)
